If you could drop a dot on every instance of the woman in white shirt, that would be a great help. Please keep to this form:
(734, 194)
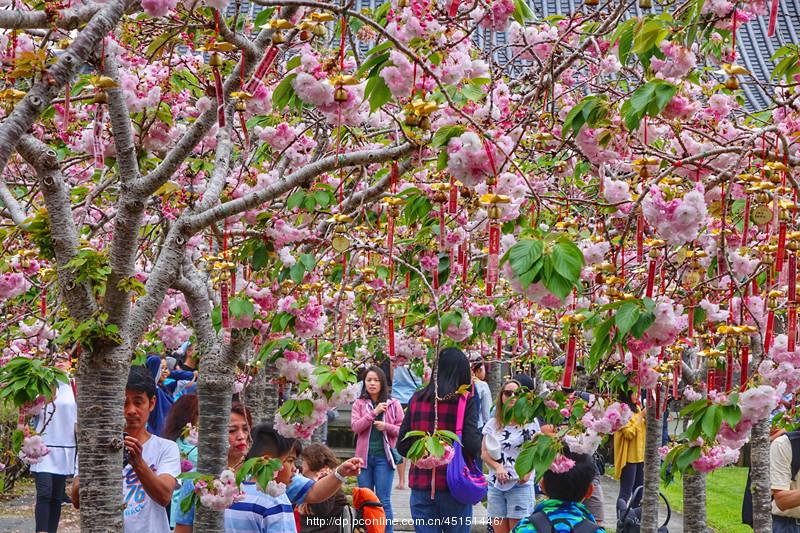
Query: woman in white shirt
(60, 417)
(510, 497)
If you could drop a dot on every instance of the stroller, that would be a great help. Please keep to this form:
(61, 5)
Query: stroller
(629, 520)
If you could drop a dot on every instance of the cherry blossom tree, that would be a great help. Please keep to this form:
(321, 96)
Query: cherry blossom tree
(317, 186)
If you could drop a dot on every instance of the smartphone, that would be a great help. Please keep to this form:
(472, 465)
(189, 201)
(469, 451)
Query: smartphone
(125, 455)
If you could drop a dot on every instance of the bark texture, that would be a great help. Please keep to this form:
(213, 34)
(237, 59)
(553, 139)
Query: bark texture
(102, 377)
(694, 504)
(652, 478)
(759, 473)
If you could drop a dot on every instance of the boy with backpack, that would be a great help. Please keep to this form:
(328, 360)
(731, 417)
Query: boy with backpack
(564, 511)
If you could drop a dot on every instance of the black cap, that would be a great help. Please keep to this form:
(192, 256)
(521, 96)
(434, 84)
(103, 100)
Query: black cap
(523, 380)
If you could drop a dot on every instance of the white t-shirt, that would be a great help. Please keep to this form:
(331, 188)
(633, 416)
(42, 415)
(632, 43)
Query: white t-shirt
(510, 438)
(142, 513)
(59, 434)
(780, 473)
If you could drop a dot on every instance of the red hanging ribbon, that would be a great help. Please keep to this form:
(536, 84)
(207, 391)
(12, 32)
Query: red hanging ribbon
(262, 68)
(453, 196)
(729, 371)
(773, 18)
(651, 277)
(493, 265)
(744, 363)
(569, 366)
(97, 138)
(391, 336)
(223, 298)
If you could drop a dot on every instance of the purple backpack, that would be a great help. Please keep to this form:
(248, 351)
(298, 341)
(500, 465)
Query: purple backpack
(466, 482)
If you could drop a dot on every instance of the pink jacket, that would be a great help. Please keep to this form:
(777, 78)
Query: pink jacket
(361, 419)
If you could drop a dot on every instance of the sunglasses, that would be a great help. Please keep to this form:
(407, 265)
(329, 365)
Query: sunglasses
(508, 393)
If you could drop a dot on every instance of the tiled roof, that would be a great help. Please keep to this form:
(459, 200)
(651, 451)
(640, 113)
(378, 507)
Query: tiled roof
(754, 48)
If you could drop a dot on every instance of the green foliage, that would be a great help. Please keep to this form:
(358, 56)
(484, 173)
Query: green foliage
(24, 380)
(432, 444)
(284, 92)
(522, 12)
(90, 332)
(89, 265)
(260, 469)
(38, 231)
(788, 63)
(649, 99)
(556, 264)
(588, 112)
(536, 455)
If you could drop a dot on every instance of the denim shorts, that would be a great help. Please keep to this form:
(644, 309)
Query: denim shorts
(514, 503)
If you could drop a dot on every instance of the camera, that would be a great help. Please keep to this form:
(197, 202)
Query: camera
(125, 455)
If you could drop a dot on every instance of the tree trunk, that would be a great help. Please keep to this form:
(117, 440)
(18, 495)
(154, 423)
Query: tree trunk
(271, 393)
(494, 377)
(254, 397)
(652, 479)
(759, 474)
(694, 503)
(101, 392)
(214, 389)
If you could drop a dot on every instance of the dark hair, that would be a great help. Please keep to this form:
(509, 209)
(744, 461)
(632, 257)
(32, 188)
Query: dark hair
(453, 372)
(524, 381)
(238, 408)
(318, 456)
(140, 380)
(477, 366)
(267, 441)
(383, 394)
(572, 485)
(184, 411)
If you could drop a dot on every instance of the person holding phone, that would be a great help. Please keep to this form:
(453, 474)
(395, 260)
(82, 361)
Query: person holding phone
(376, 420)
(153, 465)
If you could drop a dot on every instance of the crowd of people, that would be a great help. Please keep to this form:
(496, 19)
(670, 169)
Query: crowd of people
(161, 441)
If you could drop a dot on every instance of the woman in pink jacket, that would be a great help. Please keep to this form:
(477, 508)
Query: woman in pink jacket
(376, 420)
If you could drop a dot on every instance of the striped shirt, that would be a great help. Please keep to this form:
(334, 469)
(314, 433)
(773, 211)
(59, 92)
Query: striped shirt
(259, 512)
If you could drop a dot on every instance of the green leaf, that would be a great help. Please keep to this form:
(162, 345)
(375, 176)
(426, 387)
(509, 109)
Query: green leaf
(645, 321)
(309, 261)
(712, 421)
(524, 259)
(188, 502)
(588, 111)
(377, 93)
(626, 317)
(295, 200)
(323, 198)
(731, 414)
(522, 12)
(687, 458)
(525, 459)
(375, 60)
(434, 447)
(601, 343)
(283, 92)
(651, 98)
(17, 437)
(649, 36)
(241, 307)
(259, 257)
(486, 325)
(443, 135)
(558, 285)
(297, 272)
(568, 260)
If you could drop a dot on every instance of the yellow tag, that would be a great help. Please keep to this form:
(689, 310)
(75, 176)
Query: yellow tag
(761, 215)
(340, 243)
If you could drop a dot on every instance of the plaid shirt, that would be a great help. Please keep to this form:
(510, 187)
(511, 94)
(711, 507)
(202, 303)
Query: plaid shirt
(419, 417)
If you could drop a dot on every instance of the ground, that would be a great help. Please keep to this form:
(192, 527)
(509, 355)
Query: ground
(725, 488)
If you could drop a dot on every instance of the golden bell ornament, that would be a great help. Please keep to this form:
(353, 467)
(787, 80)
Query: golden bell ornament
(340, 95)
(240, 106)
(412, 120)
(100, 98)
(645, 4)
(215, 60)
(425, 123)
(732, 84)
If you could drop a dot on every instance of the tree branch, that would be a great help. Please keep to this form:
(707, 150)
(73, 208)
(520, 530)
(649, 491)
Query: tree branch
(65, 19)
(55, 78)
(64, 234)
(367, 157)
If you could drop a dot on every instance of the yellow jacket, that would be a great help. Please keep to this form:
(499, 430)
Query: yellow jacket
(629, 443)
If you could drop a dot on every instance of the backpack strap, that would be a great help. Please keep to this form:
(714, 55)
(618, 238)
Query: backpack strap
(585, 526)
(541, 522)
(462, 406)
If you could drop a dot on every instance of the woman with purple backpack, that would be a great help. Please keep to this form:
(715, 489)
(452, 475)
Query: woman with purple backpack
(433, 507)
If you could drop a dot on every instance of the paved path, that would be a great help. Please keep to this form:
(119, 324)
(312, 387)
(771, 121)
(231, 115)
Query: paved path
(16, 516)
(402, 512)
